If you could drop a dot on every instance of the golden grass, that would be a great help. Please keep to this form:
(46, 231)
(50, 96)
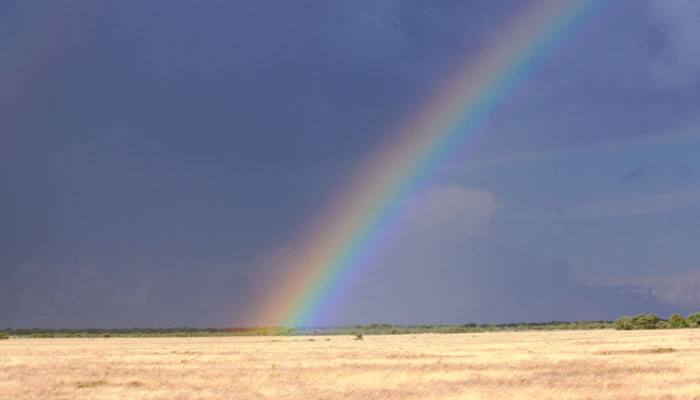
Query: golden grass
(523, 365)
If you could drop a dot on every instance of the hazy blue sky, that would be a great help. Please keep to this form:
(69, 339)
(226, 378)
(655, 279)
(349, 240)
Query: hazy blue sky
(156, 156)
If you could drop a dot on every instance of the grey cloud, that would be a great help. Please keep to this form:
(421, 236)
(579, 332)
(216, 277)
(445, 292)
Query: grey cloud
(479, 287)
(139, 295)
(466, 211)
(531, 290)
(449, 275)
(688, 134)
(679, 291)
(640, 204)
(676, 62)
(638, 173)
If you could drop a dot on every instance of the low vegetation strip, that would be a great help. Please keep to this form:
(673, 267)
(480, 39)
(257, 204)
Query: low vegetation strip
(643, 321)
(372, 329)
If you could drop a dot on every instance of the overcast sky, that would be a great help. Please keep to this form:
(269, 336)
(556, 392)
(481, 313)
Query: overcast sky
(156, 156)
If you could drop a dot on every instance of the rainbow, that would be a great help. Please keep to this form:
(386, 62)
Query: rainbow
(356, 218)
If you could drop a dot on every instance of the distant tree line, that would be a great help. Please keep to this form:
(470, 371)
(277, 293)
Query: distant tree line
(642, 321)
(372, 329)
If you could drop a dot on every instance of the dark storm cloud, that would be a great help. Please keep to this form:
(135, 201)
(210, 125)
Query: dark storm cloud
(448, 265)
(152, 153)
(83, 293)
(153, 139)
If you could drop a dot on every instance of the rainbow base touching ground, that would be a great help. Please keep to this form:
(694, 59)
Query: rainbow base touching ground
(351, 226)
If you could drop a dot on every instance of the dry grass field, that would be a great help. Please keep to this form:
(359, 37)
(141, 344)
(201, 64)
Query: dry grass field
(524, 365)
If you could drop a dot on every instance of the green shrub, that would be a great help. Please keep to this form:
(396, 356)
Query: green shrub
(623, 324)
(641, 321)
(645, 321)
(4, 336)
(693, 320)
(677, 321)
(661, 325)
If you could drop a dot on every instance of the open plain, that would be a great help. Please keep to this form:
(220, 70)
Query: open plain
(600, 364)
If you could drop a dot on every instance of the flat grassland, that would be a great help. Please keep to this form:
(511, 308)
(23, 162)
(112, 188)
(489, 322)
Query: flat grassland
(602, 364)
